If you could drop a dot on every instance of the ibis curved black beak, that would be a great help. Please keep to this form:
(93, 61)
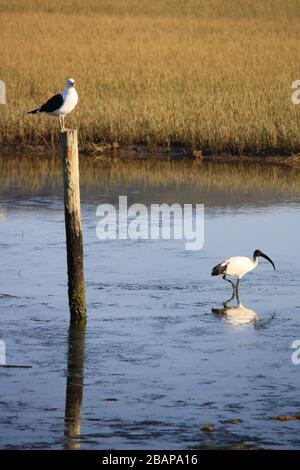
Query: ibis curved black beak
(268, 259)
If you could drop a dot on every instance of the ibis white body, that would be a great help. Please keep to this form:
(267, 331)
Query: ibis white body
(238, 266)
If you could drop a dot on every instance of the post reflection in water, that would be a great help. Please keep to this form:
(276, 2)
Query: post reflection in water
(75, 380)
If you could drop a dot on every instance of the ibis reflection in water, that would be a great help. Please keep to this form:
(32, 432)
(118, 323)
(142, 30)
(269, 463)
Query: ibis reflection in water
(239, 315)
(236, 315)
(238, 266)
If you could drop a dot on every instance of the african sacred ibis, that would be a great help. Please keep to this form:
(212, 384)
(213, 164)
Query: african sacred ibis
(238, 266)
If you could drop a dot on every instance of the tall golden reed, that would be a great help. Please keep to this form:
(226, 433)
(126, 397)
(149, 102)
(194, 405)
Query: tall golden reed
(207, 74)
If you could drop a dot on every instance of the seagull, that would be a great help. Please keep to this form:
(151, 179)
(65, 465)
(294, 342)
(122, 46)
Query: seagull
(61, 104)
(238, 266)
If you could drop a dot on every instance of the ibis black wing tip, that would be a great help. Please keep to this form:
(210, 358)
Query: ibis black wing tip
(219, 269)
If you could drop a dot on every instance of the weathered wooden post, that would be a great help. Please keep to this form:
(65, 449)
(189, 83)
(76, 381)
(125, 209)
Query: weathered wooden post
(76, 289)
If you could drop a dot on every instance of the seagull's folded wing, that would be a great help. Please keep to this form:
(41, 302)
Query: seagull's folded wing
(52, 104)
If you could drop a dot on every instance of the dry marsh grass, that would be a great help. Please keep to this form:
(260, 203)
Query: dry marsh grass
(206, 74)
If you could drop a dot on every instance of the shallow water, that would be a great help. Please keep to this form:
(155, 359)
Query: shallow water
(161, 357)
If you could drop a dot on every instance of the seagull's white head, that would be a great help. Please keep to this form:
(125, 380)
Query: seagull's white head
(71, 83)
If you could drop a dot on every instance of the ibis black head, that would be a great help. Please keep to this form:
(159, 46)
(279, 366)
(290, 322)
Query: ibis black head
(258, 253)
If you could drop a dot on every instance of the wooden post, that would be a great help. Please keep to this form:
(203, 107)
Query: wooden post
(76, 289)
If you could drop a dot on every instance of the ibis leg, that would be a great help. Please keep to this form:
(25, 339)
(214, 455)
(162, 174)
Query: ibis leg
(233, 288)
(229, 300)
(230, 282)
(237, 287)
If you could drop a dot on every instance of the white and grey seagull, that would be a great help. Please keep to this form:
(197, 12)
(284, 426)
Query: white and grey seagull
(61, 104)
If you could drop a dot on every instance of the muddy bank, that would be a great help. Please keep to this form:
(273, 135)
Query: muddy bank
(146, 152)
